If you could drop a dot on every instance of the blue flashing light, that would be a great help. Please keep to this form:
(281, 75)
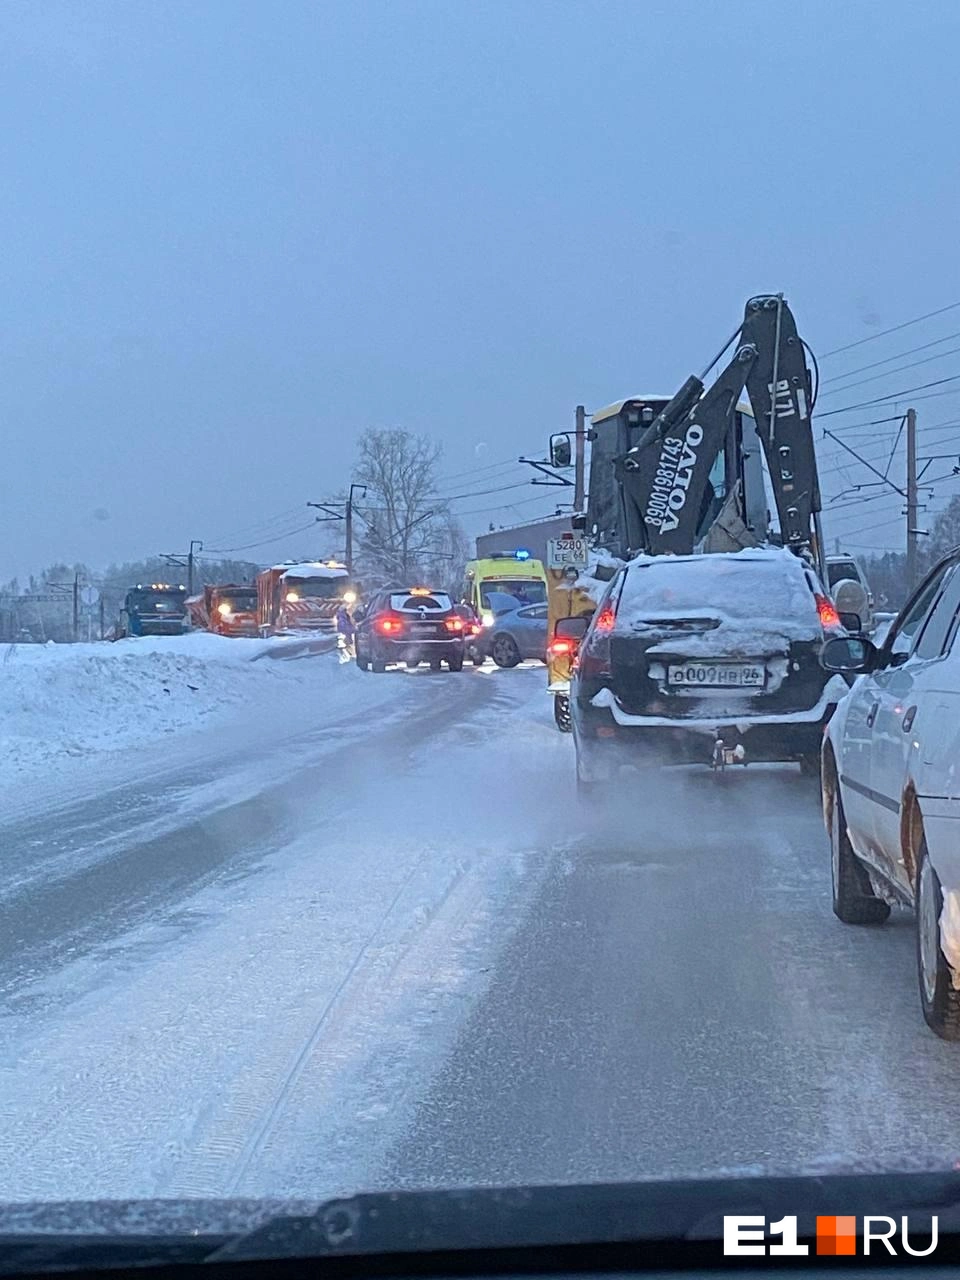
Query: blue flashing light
(521, 553)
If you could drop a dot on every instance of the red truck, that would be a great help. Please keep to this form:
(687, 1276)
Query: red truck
(227, 609)
(302, 596)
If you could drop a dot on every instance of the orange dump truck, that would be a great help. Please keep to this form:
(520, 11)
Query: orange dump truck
(227, 609)
(302, 596)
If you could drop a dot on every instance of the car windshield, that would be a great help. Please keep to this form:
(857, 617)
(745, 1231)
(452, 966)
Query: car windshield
(507, 387)
(158, 602)
(316, 588)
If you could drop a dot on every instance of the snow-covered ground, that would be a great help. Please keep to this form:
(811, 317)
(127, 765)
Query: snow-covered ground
(64, 708)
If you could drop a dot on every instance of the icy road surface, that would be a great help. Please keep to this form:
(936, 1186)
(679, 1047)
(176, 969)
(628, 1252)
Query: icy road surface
(386, 946)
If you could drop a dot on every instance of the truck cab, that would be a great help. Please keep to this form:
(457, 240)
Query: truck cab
(158, 609)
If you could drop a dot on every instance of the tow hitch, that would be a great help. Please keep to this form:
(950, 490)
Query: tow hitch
(724, 755)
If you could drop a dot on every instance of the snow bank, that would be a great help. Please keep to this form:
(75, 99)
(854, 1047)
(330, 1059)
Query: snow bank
(61, 701)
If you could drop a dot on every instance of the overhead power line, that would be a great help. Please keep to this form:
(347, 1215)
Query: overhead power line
(260, 526)
(872, 337)
(889, 373)
(893, 395)
(248, 546)
(910, 351)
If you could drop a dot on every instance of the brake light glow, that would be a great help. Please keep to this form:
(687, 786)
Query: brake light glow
(561, 646)
(605, 619)
(828, 612)
(389, 624)
(454, 624)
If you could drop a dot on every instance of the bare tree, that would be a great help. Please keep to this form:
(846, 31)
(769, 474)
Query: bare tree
(407, 532)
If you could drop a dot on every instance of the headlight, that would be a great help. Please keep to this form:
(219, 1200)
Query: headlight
(487, 618)
(292, 597)
(224, 610)
(350, 597)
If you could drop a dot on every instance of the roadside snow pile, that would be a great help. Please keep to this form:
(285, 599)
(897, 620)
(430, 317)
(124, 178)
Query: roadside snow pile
(81, 699)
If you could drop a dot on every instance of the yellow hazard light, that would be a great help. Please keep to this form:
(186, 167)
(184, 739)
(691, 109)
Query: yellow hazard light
(292, 597)
(419, 591)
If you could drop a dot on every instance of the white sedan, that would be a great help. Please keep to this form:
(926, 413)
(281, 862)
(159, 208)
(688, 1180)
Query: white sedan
(891, 783)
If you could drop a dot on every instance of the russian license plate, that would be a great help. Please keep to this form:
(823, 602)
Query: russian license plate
(715, 675)
(426, 629)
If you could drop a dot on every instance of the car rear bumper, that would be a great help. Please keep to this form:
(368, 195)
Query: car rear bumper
(422, 650)
(607, 736)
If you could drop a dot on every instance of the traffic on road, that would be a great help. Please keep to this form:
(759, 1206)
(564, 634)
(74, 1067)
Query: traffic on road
(479, 640)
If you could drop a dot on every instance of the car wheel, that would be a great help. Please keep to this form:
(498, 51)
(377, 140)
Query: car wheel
(939, 999)
(478, 659)
(435, 664)
(561, 712)
(412, 663)
(504, 651)
(455, 664)
(854, 901)
(378, 667)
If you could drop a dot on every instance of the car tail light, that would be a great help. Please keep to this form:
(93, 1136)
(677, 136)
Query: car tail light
(389, 624)
(827, 611)
(561, 647)
(605, 619)
(454, 624)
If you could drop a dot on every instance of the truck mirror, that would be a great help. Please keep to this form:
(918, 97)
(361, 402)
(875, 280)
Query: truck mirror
(561, 450)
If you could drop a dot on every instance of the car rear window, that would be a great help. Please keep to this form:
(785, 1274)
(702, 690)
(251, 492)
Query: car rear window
(404, 601)
(769, 589)
(838, 570)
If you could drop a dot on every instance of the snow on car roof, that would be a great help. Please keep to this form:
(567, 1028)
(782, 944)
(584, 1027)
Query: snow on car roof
(754, 595)
(312, 569)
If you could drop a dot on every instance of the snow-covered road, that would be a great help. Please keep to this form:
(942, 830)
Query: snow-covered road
(235, 973)
(371, 939)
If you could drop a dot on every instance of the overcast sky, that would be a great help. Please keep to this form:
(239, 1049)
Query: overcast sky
(233, 235)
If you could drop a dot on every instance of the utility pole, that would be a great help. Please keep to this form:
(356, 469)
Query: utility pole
(76, 607)
(194, 542)
(348, 557)
(579, 454)
(911, 498)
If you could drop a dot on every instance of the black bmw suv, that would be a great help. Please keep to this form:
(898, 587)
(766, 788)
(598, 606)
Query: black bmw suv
(691, 658)
(410, 625)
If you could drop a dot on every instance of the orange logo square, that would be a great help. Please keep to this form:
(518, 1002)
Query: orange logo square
(837, 1236)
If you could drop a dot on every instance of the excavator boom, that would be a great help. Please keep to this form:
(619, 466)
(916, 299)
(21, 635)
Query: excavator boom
(664, 478)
